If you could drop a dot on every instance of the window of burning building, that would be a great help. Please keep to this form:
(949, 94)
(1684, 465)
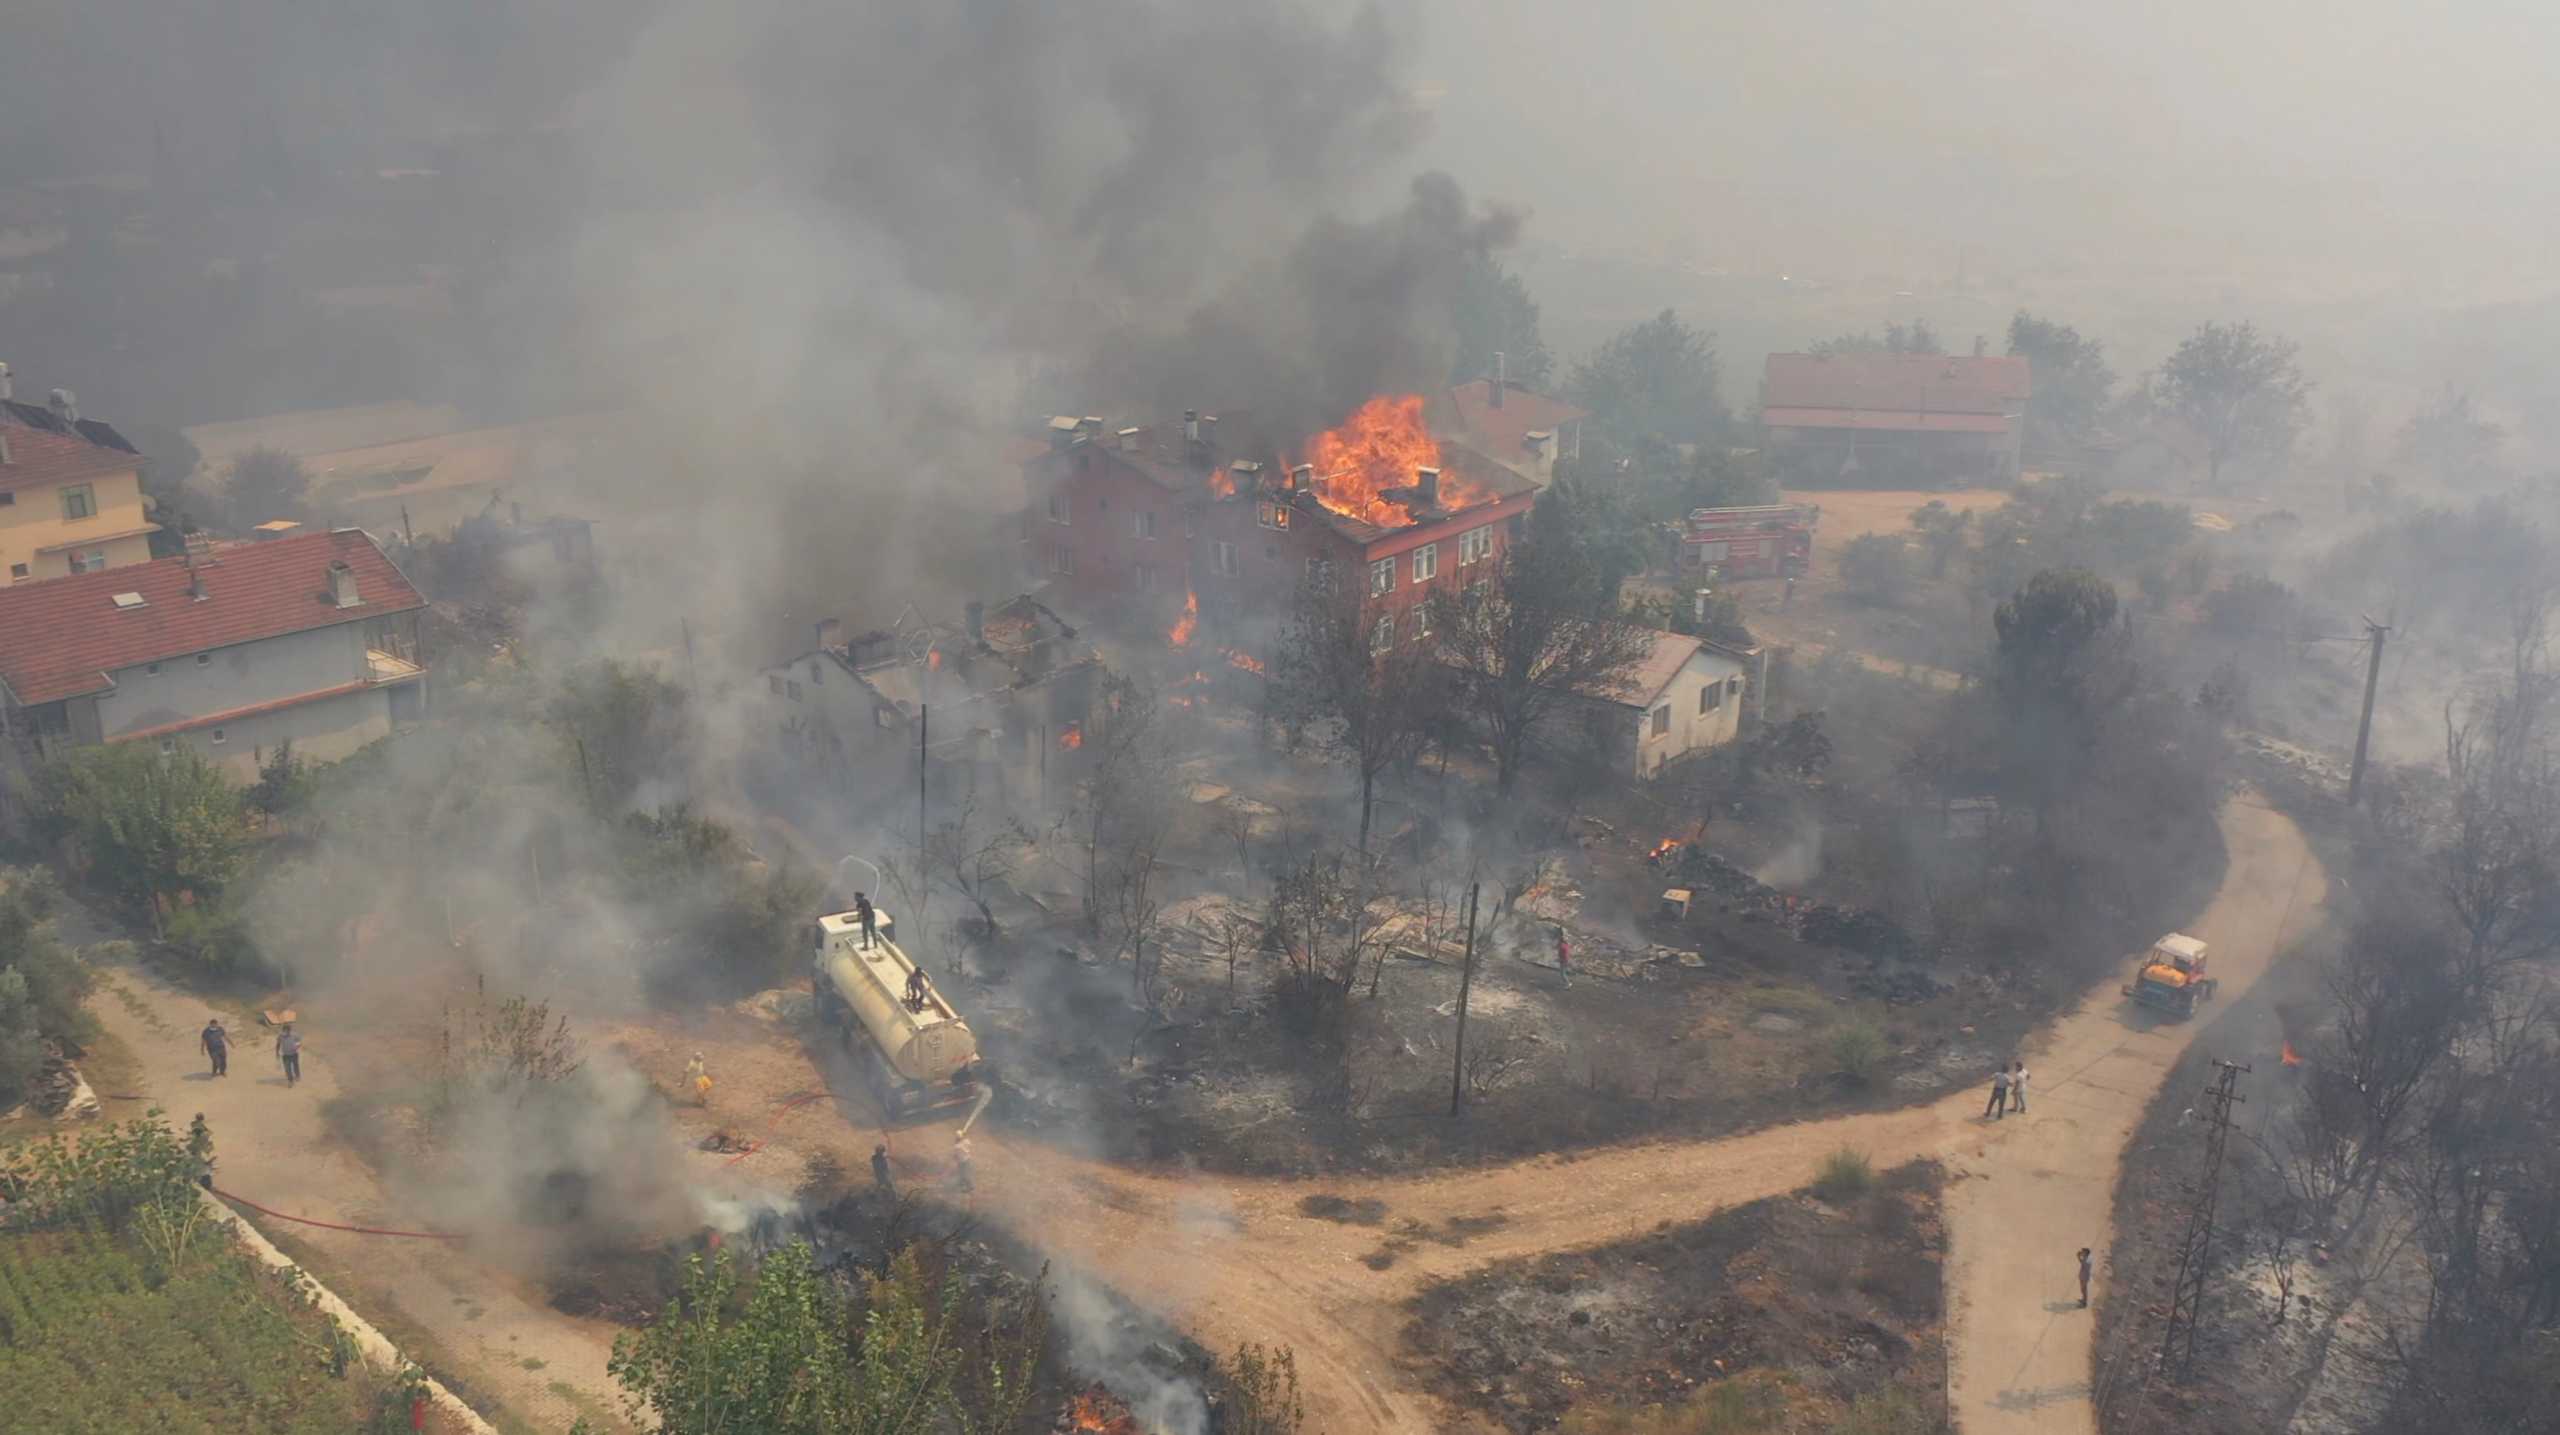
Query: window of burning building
(1145, 575)
(1475, 545)
(1383, 636)
(1058, 508)
(1426, 562)
(1272, 515)
(1662, 720)
(1382, 576)
(1144, 523)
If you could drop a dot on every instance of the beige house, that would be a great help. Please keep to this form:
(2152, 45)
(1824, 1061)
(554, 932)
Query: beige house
(70, 491)
(234, 651)
(1683, 696)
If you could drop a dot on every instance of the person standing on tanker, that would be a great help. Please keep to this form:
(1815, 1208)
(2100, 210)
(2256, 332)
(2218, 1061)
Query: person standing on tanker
(870, 920)
(217, 1046)
(289, 1052)
(915, 989)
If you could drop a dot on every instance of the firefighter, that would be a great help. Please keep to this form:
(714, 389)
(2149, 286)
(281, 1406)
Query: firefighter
(915, 989)
(697, 1079)
(870, 920)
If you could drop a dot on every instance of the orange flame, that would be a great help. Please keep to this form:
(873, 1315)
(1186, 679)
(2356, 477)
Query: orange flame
(1246, 661)
(2291, 1057)
(1098, 1410)
(1381, 447)
(933, 659)
(1071, 736)
(1222, 483)
(1183, 627)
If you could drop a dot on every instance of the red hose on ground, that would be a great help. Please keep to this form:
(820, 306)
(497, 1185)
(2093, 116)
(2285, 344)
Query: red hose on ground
(332, 1225)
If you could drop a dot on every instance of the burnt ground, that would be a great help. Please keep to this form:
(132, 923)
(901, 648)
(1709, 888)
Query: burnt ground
(2259, 1354)
(1831, 1303)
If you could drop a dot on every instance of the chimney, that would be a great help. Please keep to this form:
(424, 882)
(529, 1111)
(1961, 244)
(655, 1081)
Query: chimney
(66, 409)
(1499, 377)
(342, 585)
(830, 631)
(1704, 594)
(977, 618)
(1129, 439)
(1190, 425)
(1426, 488)
(195, 580)
(1302, 479)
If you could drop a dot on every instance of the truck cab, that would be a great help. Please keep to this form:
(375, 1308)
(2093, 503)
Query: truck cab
(2173, 976)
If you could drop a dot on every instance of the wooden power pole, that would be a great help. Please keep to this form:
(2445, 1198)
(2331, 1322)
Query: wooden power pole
(1466, 980)
(2364, 725)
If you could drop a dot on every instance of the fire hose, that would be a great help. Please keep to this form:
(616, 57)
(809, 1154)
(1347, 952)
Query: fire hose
(333, 1225)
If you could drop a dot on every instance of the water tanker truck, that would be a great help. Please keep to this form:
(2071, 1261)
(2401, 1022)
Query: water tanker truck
(2172, 976)
(914, 1054)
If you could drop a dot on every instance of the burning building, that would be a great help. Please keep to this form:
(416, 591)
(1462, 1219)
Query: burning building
(1172, 527)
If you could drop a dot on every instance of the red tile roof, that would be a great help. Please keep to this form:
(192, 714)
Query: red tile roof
(1896, 383)
(61, 637)
(1501, 434)
(43, 450)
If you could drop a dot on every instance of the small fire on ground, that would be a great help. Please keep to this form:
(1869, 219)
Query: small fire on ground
(1663, 851)
(1097, 1409)
(1246, 661)
(1071, 736)
(1188, 623)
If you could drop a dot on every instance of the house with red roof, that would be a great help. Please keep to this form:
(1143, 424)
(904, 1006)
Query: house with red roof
(1518, 427)
(233, 651)
(70, 491)
(1885, 420)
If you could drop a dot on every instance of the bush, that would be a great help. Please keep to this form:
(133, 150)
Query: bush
(211, 936)
(1876, 568)
(1858, 1050)
(42, 986)
(1845, 1174)
(149, 825)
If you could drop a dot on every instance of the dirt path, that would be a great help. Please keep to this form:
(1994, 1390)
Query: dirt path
(522, 1364)
(1235, 1259)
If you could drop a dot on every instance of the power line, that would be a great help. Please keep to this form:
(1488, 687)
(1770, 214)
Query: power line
(2186, 1301)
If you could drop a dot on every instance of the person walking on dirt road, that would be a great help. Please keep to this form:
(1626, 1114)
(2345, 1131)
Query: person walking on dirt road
(2084, 1277)
(217, 1046)
(1998, 1105)
(963, 1173)
(2018, 1088)
(289, 1051)
(869, 919)
(880, 1168)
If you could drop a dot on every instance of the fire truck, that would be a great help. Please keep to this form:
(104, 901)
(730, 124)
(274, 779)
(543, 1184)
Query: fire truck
(1767, 540)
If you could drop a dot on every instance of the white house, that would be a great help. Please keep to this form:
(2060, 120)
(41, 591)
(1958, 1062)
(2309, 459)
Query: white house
(232, 651)
(1683, 696)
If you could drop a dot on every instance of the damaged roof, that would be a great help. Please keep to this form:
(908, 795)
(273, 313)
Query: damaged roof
(45, 449)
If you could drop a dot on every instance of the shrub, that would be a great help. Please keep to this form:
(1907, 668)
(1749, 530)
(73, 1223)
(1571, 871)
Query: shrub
(1844, 1174)
(150, 825)
(1876, 568)
(210, 936)
(1858, 1050)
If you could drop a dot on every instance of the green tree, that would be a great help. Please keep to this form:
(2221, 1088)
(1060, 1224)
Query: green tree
(2450, 441)
(150, 825)
(1493, 313)
(2241, 391)
(1655, 381)
(1917, 337)
(1942, 531)
(1876, 568)
(2054, 679)
(264, 484)
(2072, 383)
(624, 724)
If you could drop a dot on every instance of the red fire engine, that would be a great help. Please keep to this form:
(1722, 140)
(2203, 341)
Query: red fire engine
(1768, 540)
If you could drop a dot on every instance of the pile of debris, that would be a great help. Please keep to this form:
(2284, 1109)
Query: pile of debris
(60, 1091)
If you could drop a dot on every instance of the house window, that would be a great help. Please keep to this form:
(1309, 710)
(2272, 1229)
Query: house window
(1146, 575)
(774, 681)
(88, 560)
(168, 745)
(1144, 521)
(79, 501)
(1383, 636)
(1733, 687)
(883, 717)
(151, 669)
(8, 500)
(794, 690)
(1382, 575)
(1058, 508)
(1062, 559)
(1222, 559)
(1272, 515)
(1475, 545)
(17, 571)
(1662, 720)
(814, 679)
(204, 660)
(219, 737)
(1426, 562)
(1422, 620)
(1710, 697)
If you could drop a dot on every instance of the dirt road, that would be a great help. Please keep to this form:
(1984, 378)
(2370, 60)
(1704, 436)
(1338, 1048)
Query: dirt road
(1238, 1260)
(520, 1363)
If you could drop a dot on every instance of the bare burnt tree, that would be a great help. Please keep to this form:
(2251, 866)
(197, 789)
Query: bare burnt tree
(1340, 674)
(1234, 821)
(1126, 742)
(1529, 644)
(1128, 870)
(972, 853)
(1326, 922)
(2399, 1007)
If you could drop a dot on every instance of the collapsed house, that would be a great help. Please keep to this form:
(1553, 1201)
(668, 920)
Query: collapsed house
(1000, 703)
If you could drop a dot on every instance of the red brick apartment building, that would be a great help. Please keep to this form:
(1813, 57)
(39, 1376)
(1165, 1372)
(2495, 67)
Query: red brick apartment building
(1164, 527)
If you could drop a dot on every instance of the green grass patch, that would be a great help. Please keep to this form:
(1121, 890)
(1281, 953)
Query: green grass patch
(1858, 1050)
(1845, 1175)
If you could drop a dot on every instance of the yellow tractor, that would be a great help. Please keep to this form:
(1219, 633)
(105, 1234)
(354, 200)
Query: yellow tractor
(2173, 976)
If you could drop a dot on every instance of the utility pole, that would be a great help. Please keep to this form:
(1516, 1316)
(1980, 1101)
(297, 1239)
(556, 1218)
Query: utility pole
(2364, 724)
(2178, 1343)
(924, 724)
(1466, 981)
